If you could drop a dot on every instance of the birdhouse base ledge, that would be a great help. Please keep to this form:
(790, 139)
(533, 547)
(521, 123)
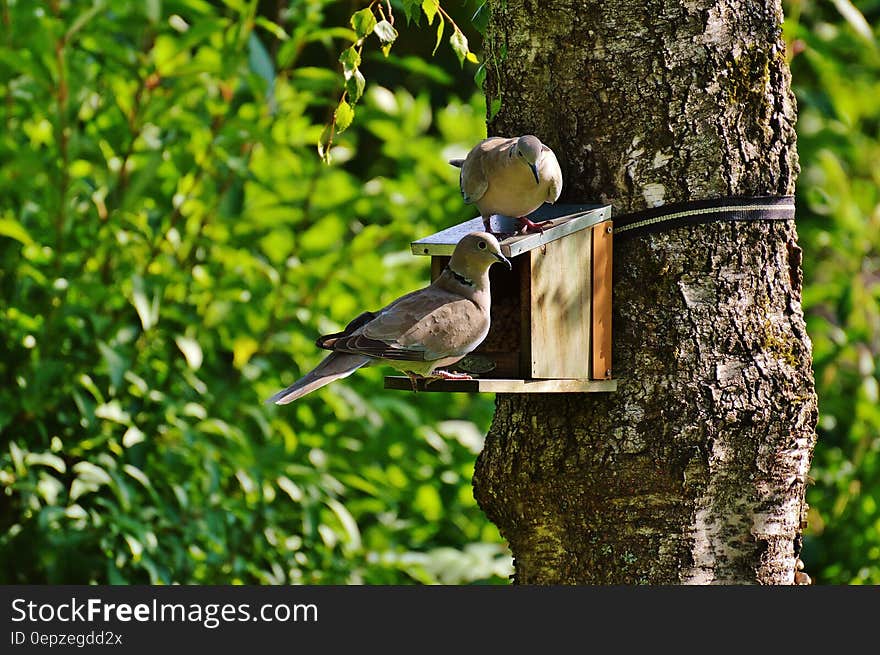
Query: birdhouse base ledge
(499, 385)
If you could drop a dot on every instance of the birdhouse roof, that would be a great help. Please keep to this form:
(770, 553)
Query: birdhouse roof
(567, 219)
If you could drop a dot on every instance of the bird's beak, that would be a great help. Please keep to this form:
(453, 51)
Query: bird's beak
(534, 168)
(504, 260)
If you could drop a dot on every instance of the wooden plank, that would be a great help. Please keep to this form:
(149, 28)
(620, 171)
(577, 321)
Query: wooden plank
(518, 245)
(482, 385)
(603, 241)
(571, 218)
(525, 316)
(560, 308)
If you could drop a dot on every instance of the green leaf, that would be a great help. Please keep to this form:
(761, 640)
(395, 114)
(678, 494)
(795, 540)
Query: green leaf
(324, 142)
(348, 523)
(243, 349)
(350, 58)
(430, 8)
(412, 10)
(116, 364)
(273, 28)
(45, 459)
(459, 44)
(191, 350)
(480, 75)
(856, 19)
(354, 84)
(9, 227)
(428, 502)
(385, 31)
(147, 311)
(259, 60)
(441, 24)
(91, 473)
(112, 411)
(480, 19)
(343, 116)
(154, 10)
(363, 22)
(494, 108)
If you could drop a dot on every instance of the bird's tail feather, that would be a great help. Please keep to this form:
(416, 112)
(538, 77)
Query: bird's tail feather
(458, 163)
(333, 367)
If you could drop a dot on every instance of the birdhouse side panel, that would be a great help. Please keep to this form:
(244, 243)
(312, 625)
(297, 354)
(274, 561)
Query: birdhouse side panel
(601, 306)
(560, 297)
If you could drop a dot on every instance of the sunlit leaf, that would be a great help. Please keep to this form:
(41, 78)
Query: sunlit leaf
(430, 8)
(441, 24)
(273, 28)
(459, 44)
(385, 31)
(354, 85)
(191, 350)
(363, 22)
(9, 227)
(343, 116)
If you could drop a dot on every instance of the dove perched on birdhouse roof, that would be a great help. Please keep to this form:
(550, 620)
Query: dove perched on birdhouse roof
(419, 332)
(510, 177)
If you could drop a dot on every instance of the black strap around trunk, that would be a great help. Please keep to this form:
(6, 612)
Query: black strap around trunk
(695, 212)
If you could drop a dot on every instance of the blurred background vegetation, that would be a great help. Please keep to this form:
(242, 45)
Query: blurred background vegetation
(171, 245)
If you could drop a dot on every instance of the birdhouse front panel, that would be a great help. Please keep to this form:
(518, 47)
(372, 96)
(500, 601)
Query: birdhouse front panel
(550, 316)
(559, 293)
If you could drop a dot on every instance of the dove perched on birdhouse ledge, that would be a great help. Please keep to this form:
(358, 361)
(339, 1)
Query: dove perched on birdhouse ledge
(510, 177)
(419, 332)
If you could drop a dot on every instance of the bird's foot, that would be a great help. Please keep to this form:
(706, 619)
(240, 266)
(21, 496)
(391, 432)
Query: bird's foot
(446, 375)
(414, 380)
(452, 375)
(531, 226)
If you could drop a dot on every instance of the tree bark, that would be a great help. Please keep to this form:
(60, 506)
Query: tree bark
(694, 471)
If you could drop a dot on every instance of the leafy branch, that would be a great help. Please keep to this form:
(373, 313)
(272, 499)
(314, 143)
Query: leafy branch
(378, 19)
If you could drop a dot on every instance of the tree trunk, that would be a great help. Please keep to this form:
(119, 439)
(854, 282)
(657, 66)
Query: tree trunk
(694, 471)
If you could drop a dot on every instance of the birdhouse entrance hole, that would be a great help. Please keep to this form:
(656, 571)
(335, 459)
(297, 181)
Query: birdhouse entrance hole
(551, 315)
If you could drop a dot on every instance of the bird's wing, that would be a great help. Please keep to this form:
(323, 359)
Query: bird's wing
(477, 168)
(326, 341)
(425, 325)
(554, 173)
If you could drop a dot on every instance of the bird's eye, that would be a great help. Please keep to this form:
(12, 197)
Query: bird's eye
(481, 245)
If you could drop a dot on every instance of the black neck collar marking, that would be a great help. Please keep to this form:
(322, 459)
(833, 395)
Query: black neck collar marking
(461, 278)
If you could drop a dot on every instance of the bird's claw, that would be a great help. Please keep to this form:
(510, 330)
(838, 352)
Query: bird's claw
(447, 375)
(452, 375)
(531, 226)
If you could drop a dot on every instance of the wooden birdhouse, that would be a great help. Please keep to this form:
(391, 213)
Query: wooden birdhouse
(551, 315)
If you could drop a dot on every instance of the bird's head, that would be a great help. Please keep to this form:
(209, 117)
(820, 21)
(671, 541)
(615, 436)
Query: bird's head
(475, 253)
(530, 149)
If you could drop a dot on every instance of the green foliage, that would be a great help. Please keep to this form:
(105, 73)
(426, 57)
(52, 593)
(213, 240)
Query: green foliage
(170, 246)
(836, 74)
(364, 22)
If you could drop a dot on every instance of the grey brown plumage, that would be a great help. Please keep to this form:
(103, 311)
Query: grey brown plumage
(509, 177)
(419, 332)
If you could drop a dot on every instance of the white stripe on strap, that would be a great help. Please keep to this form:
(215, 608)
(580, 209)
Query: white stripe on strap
(701, 212)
